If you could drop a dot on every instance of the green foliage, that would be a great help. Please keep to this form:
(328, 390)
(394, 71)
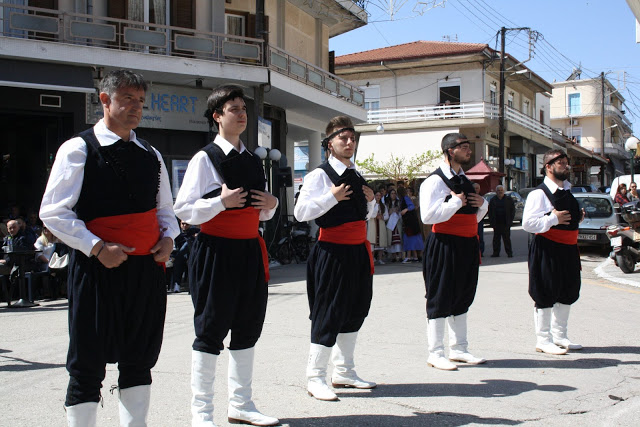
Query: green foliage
(398, 168)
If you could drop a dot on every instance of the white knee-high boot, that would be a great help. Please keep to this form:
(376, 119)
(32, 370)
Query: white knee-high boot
(134, 406)
(242, 410)
(203, 370)
(559, 322)
(344, 373)
(542, 319)
(317, 373)
(82, 414)
(435, 336)
(458, 344)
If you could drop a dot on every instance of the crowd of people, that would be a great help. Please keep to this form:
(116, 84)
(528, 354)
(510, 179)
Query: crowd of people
(108, 197)
(394, 231)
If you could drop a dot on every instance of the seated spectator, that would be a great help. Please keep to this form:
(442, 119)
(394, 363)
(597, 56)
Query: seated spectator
(34, 223)
(180, 254)
(47, 244)
(15, 241)
(29, 235)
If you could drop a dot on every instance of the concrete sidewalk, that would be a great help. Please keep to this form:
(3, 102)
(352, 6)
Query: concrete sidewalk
(597, 386)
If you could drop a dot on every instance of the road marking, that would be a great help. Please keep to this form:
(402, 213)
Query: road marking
(599, 270)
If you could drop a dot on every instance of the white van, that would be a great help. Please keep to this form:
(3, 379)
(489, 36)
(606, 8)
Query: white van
(622, 179)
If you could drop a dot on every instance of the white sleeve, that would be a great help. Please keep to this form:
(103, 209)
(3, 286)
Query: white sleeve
(200, 178)
(164, 204)
(315, 197)
(535, 218)
(433, 208)
(267, 214)
(61, 195)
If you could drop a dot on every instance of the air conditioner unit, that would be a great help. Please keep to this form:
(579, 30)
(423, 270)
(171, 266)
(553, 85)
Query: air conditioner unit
(574, 122)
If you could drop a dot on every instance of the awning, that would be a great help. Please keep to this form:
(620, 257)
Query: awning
(46, 76)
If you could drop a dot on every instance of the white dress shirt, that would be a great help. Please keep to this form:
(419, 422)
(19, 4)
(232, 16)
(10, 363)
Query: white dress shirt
(65, 185)
(316, 198)
(202, 178)
(433, 191)
(535, 218)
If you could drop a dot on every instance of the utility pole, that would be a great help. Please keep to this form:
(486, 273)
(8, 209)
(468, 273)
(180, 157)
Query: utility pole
(503, 83)
(602, 128)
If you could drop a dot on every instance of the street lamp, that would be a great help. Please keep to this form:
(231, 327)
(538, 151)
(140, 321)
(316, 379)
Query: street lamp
(631, 145)
(273, 154)
(380, 128)
(509, 163)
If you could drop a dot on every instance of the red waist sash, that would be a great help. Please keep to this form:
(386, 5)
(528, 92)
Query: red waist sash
(238, 224)
(139, 230)
(463, 225)
(566, 237)
(350, 233)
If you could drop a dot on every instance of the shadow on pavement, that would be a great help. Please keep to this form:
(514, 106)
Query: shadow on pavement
(420, 419)
(14, 364)
(611, 350)
(44, 306)
(559, 362)
(488, 389)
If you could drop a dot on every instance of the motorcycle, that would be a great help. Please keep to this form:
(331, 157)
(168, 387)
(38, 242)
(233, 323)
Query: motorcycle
(625, 238)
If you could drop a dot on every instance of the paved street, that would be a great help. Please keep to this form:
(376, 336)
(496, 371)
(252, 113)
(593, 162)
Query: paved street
(597, 386)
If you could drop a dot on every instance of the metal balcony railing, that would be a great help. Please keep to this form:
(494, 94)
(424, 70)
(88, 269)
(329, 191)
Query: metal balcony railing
(282, 62)
(465, 110)
(125, 35)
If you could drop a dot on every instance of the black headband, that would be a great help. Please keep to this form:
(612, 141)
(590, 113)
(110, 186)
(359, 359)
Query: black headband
(558, 157)
(325, 142)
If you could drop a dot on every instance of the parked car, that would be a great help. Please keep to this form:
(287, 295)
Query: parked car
(599, 214)
(518, 201)
(584, 188)
(524, 192)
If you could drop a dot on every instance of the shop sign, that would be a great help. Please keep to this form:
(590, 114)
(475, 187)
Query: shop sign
(166, 107)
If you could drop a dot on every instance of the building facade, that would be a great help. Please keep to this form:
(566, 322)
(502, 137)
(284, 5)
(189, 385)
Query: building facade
(417, 92)
(54, 52)
(579, 113)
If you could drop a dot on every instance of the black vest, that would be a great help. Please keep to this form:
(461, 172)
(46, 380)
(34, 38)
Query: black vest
(237, 170)
(563, 200)
(458, 184)
(354, 209)
(119, 179)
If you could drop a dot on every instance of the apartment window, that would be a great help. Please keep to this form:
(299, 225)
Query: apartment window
(575, 132)
(449, 90)
(153, 11)
(493, 94)
(510, 99)
(235, 24)
(574, 104)
(371, 97)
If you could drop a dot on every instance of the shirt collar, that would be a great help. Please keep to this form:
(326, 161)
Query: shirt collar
(338, 166)
(448, 171)
(106, 137)
(553, 187)
(226, 146)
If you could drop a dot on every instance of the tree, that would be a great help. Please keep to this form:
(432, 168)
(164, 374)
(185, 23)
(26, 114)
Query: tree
(398, 168)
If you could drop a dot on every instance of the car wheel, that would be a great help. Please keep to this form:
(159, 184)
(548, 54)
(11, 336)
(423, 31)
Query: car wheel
(626, 261)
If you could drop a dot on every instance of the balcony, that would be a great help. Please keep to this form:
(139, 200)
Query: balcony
(614, 111)
(124, 35)
(465, 110)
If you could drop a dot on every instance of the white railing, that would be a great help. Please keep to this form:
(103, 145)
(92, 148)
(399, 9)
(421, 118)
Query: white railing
(613, 110)
(465, 110)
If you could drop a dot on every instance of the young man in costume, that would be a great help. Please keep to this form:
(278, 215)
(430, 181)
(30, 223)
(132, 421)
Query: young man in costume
(553, 214)
(109, 199)
(224, 192)
(340, 266)
(452, 255)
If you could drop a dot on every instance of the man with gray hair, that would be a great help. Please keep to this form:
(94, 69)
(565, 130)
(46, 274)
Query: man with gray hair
(502, 210)
(109, 199)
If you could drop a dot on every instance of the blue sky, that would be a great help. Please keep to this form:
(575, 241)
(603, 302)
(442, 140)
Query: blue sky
(598, 34)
